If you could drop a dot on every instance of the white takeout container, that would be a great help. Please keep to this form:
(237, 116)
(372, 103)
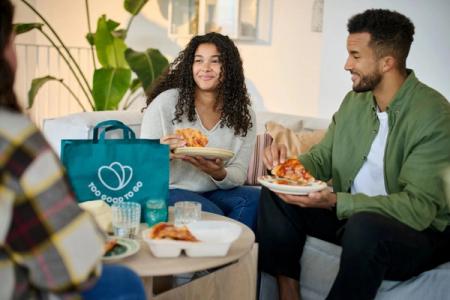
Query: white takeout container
(101, 212)
(215, 238)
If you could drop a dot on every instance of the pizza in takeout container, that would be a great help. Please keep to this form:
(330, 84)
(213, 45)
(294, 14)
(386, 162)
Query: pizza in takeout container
(197, 239)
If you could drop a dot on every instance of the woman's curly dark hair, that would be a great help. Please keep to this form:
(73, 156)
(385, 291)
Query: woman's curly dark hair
(7, 97)
(232, 91)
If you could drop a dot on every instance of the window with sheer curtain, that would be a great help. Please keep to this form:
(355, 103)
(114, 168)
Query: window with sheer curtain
(235, 18)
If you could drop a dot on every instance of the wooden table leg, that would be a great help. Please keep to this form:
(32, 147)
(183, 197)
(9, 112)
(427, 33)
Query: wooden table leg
(148, 286)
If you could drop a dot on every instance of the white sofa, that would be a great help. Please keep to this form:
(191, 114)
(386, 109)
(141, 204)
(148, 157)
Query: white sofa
(80, 125)
(320, 260)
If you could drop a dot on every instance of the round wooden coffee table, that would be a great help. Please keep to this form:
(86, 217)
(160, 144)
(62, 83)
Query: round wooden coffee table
(236, 280)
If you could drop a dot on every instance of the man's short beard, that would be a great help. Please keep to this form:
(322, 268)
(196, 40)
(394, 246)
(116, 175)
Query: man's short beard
(367, 83)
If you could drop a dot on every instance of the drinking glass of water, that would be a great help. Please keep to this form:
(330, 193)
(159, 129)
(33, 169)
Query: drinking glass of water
(186, 212)
(126, 217)
(155, 211)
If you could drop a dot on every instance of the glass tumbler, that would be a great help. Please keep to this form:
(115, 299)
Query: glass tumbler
(186, 212)
(126, 217)
(155, 211)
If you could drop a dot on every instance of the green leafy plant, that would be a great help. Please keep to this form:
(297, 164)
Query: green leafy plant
(113, 78)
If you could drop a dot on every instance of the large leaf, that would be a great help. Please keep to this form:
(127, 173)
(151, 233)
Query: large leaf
(111, 24)
(20, 28)
(147, 65)
(134, 6)
(90, 37)
(109, 86)
(135, 85)
(36, 85)
(110, 49)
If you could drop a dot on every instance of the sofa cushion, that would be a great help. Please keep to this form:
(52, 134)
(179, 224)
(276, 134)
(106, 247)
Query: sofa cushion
(296, 141)
(319, 266)
(256, 166)
(432, 284)
(289, 121)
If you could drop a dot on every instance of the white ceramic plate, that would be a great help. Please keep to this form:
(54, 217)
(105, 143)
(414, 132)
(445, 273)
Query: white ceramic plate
(215, 238)
(205, 152)
(270, 182)
(126, 247)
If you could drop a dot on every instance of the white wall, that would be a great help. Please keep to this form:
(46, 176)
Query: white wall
(285, 71)
(429, 55)
(282, 67)
(289, 64)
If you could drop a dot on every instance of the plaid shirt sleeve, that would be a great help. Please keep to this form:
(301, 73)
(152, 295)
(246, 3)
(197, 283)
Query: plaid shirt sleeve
(57, 244)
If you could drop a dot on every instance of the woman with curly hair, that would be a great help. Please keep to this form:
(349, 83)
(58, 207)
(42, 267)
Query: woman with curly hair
(204, 89)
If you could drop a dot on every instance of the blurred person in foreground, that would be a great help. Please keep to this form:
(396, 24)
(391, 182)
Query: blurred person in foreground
(49, 247)
(385, 150)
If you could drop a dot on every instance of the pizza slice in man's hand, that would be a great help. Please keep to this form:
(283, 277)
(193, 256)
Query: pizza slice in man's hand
(293, 169)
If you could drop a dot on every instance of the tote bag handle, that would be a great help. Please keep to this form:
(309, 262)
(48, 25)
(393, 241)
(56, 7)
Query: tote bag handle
(128, 134)
(112, 125)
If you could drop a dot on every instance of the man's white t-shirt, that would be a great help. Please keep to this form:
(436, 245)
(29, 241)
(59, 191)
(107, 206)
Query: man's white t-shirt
(370, 178)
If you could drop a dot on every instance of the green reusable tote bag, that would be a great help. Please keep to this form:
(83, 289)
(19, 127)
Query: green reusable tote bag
(117, 170)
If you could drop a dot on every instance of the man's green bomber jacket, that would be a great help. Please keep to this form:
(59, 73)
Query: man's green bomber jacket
(417, 151)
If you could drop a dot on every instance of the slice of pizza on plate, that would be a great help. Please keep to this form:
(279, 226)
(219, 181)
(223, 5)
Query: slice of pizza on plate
(193, 137)
(196, 145)
(292, 171)
(291, 177)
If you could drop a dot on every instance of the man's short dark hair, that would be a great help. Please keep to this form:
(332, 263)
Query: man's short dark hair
(391, 32)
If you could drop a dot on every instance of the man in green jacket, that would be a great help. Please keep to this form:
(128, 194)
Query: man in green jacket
(385, 151)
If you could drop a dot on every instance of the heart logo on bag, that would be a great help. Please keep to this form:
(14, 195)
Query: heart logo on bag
(115, 176)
